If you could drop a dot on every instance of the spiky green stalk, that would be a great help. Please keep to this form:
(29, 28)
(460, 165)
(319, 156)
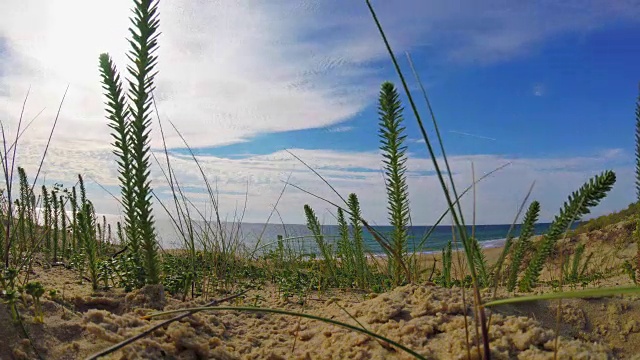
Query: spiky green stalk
(56, 228)
(637, 180)
(47, 218)
(527, 230)
(87, 233)
(63, 226)
(33, 219)
(325, 249)
(143, 45)
(447, 252)
(479, 262)
(24, 210)
(345, 246)
(394, 159)
(362, 268)
(134, 134)
(118, 114)
(575, 273)
(578, 204)
(73, 199)
(120, 233)
(637, 232)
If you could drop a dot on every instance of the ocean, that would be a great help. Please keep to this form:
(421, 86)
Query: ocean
(299, 237)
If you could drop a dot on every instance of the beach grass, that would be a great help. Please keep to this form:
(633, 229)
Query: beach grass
(213, 258)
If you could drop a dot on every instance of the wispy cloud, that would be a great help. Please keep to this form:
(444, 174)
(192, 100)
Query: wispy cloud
(472, 135)
(538, 90)
(360, 172)
(231, 70)
(340, 129)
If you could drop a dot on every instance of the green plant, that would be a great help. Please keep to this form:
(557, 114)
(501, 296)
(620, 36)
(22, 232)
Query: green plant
(394, 159)
(458, 218)
(578, 205)
(132, 136)
(36, 290)
(479, 262)
(636, 233)
(55, 229)
(87, 234)
(73, 200)
(345, 247)
(8, 282)
(574, 269)
(325, 249)
(46, 201)
(523, 244)
(445, 276)
(25, 210)
(360, 260)
(63, 226)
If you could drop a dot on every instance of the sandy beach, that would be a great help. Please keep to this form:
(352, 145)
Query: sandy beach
(423, 317)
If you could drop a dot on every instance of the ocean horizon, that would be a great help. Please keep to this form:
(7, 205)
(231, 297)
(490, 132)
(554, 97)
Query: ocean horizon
(265, 236)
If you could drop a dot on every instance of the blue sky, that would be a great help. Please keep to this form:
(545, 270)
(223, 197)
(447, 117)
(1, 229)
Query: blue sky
(573, 94)
(548, 87)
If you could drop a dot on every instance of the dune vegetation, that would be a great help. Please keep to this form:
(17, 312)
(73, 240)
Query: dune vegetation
(74, 287)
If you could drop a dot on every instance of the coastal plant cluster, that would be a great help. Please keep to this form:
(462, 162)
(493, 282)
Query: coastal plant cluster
(58, 226)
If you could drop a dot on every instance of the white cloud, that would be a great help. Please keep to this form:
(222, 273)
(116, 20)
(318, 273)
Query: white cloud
(472, 135)
(538, 90)
(340, 129)
(359, 172)
(230, 70)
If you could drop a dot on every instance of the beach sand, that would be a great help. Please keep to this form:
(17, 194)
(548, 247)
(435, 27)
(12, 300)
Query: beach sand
(423, 317)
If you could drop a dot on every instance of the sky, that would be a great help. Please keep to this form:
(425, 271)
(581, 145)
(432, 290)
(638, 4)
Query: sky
(548, 88)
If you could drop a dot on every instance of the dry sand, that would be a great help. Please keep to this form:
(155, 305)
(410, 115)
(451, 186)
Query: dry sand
(426, 318)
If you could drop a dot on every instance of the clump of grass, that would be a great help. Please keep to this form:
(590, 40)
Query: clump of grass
(394, 158)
